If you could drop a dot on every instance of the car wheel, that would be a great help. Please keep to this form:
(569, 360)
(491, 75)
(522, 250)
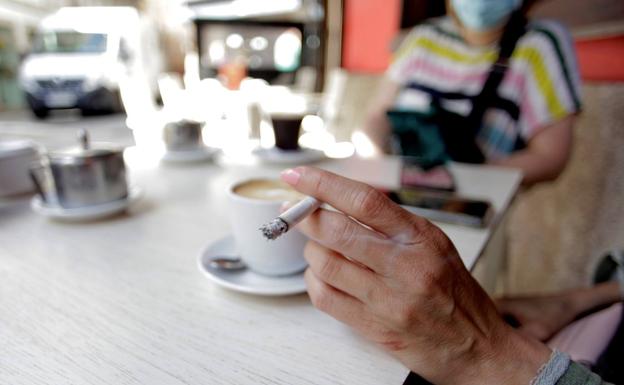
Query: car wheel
(117, 105)
(41, 113)
(89, 112)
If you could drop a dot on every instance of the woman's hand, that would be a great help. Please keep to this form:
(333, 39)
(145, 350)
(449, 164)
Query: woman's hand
(398, 280)
(542, 316)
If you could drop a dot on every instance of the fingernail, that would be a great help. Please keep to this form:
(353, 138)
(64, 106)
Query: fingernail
(291, 176)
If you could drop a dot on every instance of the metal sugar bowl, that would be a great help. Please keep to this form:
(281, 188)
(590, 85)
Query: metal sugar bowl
(83, 176)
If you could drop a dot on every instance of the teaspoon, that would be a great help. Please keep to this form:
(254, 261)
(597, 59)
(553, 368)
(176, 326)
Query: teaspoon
(227, 263)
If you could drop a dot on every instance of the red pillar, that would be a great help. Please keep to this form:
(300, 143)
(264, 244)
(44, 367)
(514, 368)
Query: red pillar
(369, 27)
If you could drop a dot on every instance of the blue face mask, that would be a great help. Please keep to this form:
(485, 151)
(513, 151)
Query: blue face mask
(481, 15)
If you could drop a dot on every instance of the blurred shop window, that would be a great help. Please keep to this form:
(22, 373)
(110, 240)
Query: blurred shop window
(11, 96)
(31, 36)
(283, 42)
(260, 51)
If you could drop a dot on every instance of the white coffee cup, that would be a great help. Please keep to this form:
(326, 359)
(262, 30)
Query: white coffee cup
(283, 256)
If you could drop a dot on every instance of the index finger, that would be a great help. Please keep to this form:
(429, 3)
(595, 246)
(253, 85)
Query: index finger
(358, 200)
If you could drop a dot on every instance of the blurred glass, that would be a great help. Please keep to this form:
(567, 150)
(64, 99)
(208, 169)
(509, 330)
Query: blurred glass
(69, 42)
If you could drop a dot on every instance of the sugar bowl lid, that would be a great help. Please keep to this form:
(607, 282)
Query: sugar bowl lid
(85, 151)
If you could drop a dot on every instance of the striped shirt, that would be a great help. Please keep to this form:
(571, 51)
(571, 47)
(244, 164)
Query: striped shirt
(540, 87)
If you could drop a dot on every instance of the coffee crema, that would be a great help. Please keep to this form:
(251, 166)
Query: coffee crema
(268, 190)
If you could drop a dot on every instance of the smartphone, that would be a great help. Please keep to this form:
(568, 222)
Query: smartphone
(443, 207)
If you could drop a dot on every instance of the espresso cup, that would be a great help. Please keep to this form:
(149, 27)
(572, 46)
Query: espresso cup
(183, 135)
(286, 127)
(252, 204)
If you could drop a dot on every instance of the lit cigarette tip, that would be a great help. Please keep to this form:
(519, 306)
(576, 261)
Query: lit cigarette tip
(274, 229)
(280, 225)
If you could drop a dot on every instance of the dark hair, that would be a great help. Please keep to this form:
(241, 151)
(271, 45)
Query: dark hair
(527, 5)
(414, 12)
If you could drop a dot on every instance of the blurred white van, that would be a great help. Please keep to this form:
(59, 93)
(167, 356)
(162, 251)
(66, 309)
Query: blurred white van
(82, 54)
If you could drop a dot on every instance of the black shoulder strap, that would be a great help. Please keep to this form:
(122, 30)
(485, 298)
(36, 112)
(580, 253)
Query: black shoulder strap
(415, 379)
(515, 29)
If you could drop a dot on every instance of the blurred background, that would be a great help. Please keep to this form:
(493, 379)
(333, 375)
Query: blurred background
(66, 64)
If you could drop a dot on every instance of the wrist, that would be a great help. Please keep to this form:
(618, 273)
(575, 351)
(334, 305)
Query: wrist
(512, 359)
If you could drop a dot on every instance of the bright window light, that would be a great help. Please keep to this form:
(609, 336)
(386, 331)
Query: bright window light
(259, 43)
(340, 150)
(216, 51)
(287, 50)
(243, 8)
(363, 145)
(234, 41)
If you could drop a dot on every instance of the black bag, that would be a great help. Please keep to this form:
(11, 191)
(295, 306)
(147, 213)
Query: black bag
(609, 364)
(440, 135)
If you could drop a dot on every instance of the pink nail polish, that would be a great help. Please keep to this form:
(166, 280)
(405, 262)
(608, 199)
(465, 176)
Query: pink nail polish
(291, 176)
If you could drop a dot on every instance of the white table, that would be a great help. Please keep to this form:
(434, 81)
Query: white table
(121, 301)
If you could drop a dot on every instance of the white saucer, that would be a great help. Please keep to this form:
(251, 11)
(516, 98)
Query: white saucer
(104, 210)
(246, 281)
(280, 157)
(190, 156)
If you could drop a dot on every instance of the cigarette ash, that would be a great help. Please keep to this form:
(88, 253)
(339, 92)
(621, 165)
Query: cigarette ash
(274, 229)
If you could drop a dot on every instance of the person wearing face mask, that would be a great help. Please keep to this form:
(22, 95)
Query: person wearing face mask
(497, 88)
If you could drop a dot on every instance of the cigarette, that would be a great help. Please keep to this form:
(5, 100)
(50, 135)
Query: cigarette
(289, 218)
